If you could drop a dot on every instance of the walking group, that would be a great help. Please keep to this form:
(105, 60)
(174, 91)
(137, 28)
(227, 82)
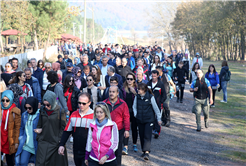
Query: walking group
(96, 100)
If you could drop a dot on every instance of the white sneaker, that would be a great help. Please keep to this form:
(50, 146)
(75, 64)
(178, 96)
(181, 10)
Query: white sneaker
(222, 101)
(71, 139)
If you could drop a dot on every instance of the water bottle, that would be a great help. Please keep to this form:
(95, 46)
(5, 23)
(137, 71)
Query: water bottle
(67, 117)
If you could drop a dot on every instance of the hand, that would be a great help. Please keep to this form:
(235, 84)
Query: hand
(61, 150)
(195, 89)
(126, 134)
(16, 146)
(176, 78)
(86, 162)
(159, 123)
(133, 90)
(211, 101)
(218, 85)
(68, 113)
(185, 78)
(38, 131)
(39, 105)
(103, 159)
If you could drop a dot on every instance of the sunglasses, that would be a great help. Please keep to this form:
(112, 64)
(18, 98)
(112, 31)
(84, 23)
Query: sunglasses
(24, 75)
(89, 80)
(28, 108)
(46, 105)
(71, 80)
(82, 103)
(79, 71)
(7, 66)
(131, 79)
(7, 100)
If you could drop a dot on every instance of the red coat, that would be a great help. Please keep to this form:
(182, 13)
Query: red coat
(108, 49)
(119, 114)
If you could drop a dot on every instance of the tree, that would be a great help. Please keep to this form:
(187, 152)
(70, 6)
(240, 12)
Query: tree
(134, 35)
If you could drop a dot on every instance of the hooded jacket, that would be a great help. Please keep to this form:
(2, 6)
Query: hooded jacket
(223, 72)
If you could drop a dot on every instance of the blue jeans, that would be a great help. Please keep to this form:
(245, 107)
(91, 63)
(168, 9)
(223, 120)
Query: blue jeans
(224, 88)
(25, 156)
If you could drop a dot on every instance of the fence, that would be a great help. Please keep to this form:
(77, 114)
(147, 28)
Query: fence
(38, 54)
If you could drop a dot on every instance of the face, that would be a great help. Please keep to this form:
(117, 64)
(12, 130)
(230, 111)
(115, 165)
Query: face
(29, 108)
(156, 59)
(23, 77)
(111, 56)
(130, 54)
(47, 68)
(140, 63)
(71, 81)
(28, 75)
(196, 66)
(41, 65)
(65, 56)
(130, 80)
(34, 64)
(123, 51)
(158, 50)
(94, 71)
(87, 71)
(5, 101)
(109, 72)
(139, 76)
(69, 68)
(113, 93)
(60, 59)
(211, 69)
(180, 65)
(29, 65)
(79, 73)
(15, 63)
(47, 105)
(137, 54)
(8, 67)
(84, 103)
(145, 55)
(168, 60)
(113, 83)
(154, 77)
(174, 53)
(75, 61)
(141, 92)
(85, 59)
(160, 71)
(98, 58)
(100, 114)
(104, 61)
(89, 81)
(199, 74)
(118, 61)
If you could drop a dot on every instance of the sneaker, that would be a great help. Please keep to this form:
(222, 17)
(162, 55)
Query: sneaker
(71, 139)
(146, 156)
(153, 132)
(142, 155)
(198, 130)
(168, 124)
(156, 135)
(212, 106)
(125, 151)
(163, 124)
(181, 101)
(177, 100)
(135, 149)
(222, 101)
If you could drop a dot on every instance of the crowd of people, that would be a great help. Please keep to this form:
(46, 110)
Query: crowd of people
(95, 98)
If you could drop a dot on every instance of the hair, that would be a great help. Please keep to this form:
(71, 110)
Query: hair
(114, 78)
(2, 83)
(171, 60)
(15, 59)
(193, 67)
(16, 77)
(145, 88)
(96, 51)
(2, 70)
(140, 59)
(104, 57)
(209, 69)
(181, 62)
(99, 73)
(105, 109)
(125, 86)
(8, 63)
(42, 63)
(52, 77)
(112, 69)
(159, 61)
(33, 59)
(155, 72)
(159, 68)
(86, 94)
(66, 84)
(27, 69)
(47, 63)
(86, 67)
(224, 63)
(28, 62)
(91, 75)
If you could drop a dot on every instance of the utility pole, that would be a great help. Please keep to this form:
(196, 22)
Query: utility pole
(80, 28)
(74, 29)
(93, 26)
(85, 22)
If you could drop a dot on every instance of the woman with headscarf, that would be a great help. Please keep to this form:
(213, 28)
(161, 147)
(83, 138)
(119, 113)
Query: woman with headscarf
(78, 78)
(57, 68)
(76, 61)
(52, 122)
(10, 126)
(27, 149)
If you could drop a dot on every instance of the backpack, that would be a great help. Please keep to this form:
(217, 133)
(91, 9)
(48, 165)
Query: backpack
(227, 76)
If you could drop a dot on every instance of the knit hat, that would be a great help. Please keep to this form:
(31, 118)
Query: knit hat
(10, 95)
(51, 98)
(33, 101)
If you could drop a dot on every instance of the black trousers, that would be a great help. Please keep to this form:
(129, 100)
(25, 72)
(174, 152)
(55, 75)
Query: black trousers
(157, 127)
(9, 159)
(214, 91)
(181, 89)
(79, 158)
(134, 130)
(118, 152)
(166, 110)
(145, 134)
(95, 163)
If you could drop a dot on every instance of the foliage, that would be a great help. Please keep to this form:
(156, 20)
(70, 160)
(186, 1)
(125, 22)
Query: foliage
(213, 28)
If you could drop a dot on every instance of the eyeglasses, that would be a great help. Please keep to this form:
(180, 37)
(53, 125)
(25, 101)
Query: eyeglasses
(89, 80)
(82, 103)
(131, 79)
(46, 105)
(28, 108)
(5, 100)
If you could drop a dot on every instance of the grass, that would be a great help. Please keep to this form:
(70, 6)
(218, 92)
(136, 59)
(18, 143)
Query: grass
(232, 114)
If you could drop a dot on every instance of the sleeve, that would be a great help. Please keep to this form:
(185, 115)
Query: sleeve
(39, 93)
(63, 122)
(62, 99)
(133, 63)
(114, 140)
(190, 77)
(134, 107)
(192, 85)
(22, 127)
(163, 93)
(206, 75)
(207, 82)
(126, 117)
(30, 93)
(156, 108)
(88, 144)
(217, 78)
(17, 125)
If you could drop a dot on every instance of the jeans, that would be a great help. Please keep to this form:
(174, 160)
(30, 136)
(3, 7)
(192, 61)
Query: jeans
(224, 88)
(25, 156)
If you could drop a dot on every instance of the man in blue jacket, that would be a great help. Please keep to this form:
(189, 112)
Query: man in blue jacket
(111, 73)
(37, 72)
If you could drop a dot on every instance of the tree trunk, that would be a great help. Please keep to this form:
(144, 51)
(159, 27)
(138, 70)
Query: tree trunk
(1, 42)
(35, 40)
(46, 46)
(243, 45)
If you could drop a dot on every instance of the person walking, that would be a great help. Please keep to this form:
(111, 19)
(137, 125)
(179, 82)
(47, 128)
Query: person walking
(201, 86)
(120, 115)
(27, 149)
(103, 138)
(78, 125)
(100, 80)
(170, 66)
(193, 74)
(78, 78)
(10, 126)
(145, 108)
(197, 59)
(223, 80)
(52, 121)
(214, 80)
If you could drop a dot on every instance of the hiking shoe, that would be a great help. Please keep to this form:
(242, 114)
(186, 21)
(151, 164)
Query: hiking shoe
(168, 124)
(163, 124)
(156, 135)
(198, 130)
(206, 124)
(135, 149)
(71, 139)
(125, 151)
(222, 101)
(146, 156)
(153, 132)
(181, 101)
(177, 100)
(142, 155)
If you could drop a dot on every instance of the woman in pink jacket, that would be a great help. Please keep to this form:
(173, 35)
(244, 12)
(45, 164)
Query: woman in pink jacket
(102, 139)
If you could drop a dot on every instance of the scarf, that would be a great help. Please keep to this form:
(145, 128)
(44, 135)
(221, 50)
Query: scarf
(105, 120)
(10, 95)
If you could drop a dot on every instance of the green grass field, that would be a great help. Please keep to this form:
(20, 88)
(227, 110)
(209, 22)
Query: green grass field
(232, 114)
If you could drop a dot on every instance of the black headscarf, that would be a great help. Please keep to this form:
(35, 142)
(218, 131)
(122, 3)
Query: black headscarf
(32, 101)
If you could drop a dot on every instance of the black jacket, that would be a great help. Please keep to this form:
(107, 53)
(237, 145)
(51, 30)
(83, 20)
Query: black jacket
(82, 66)
(91, 56)
(62, 65)
(180, 73)
(123, 71)
(158, 91)
(64, 74)
(74, 98)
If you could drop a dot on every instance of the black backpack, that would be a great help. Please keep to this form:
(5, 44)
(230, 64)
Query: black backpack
(227, 76)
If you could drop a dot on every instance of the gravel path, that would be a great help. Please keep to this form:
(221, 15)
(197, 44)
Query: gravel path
(180, 144)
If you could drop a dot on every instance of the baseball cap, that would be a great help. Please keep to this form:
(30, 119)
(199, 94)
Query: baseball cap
(69, 64)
